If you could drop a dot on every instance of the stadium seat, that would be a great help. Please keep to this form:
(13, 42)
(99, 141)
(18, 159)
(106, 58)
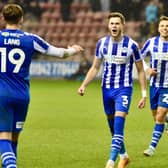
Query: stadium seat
(60, 26)
(68, 27)
(98, 17)
(51, 7)
(85, 7)
(46, 16)
(55, 16)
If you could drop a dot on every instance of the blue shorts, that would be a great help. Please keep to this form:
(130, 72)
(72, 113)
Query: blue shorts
(158, 97)
(116, 99)
(13, 113)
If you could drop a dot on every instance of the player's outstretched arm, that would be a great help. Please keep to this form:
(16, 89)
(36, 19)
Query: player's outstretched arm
(64, 52)
(74, 49)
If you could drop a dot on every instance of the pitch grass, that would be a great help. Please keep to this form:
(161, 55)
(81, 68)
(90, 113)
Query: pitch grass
(64, 130)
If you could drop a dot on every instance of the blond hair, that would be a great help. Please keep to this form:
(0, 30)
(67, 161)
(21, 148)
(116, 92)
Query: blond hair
(163, 18)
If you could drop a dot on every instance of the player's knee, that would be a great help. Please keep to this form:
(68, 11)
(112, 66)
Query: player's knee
(160, 117)
(15, 137)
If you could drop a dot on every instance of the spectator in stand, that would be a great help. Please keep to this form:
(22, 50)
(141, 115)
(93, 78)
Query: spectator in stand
(151, 14)
(134, 6)
(32, 9)
(165, 7)
(121, 6)
(95, 5)
(66, 9)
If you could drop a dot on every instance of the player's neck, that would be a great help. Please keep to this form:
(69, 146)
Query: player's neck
(12, 26)
(117, 39)
(164, 38)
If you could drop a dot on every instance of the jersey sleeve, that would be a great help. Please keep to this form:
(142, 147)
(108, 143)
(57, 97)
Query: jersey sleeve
(136, 52)
(40, 45)
(98, 49)
(145, 49)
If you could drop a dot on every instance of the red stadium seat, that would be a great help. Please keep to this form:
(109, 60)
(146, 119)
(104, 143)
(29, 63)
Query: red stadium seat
(48, 6)
(55, 16)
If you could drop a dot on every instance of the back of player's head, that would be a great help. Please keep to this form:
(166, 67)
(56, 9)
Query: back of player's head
(12, 13)
(117, 14)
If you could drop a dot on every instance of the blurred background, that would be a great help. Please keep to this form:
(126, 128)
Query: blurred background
(66, 22)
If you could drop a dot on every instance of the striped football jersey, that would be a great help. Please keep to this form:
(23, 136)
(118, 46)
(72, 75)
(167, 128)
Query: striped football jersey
(158, 51)
(118, 61)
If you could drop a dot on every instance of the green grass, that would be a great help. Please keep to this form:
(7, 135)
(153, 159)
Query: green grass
(64, 130)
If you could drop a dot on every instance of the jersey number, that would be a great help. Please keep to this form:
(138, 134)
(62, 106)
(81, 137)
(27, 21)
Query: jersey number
(165, 99)
(125, 101)
(17, 62)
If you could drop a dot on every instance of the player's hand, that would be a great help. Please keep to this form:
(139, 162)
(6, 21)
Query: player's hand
(142, 103)
(81, 90)
(78, 48)
(152, 71)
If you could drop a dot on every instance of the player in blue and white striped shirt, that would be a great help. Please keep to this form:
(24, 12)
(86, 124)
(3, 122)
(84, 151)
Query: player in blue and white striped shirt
(157, 48)
(118, 53)
(16, 52)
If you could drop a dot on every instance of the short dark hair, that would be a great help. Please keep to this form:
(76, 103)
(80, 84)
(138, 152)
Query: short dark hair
(12, 13)
(117, 14)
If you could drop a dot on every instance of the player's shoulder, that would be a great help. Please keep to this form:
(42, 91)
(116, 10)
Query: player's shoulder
(150, 41)
(130, 40)
(153, 38)
(32, 35)
(104, 39)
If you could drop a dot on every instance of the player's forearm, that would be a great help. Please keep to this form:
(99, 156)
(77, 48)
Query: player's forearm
(146, 67)
(90, 76)
(60, 52)
(142, 81)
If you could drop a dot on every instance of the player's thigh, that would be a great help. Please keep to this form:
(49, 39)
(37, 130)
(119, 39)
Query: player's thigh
(163, 98)
(108, 102)
(123, 100)
(20, 114)
(6, 114)
(154, 97)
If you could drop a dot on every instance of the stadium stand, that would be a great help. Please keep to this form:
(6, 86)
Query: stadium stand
(85, 28)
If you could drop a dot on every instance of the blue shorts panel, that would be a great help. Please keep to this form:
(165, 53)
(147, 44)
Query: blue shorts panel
(116, 99)
(158, 97)
(13, 114)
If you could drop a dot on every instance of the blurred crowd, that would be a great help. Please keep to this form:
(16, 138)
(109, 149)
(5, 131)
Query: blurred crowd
(64, 22)
(132, 9)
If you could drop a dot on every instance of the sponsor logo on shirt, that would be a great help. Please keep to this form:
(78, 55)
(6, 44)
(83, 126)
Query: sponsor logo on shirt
(116, 59)
(161, 56)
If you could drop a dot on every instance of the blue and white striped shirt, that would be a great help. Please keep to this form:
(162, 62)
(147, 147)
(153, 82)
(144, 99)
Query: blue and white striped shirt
(158, 51)
(118, 61)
